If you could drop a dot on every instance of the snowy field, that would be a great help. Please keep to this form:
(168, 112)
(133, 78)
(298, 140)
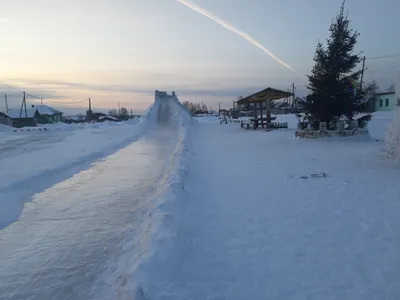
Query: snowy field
(266, 216)
(32, 161)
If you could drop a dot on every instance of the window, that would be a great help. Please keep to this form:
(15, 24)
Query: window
(380, 102)
(386, 102)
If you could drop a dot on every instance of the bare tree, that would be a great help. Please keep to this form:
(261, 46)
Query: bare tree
(391, 88)
(124, 112)
(113, 112)
(370, 90)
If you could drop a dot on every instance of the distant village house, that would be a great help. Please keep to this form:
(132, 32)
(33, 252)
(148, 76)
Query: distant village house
(47, 114)
(41, 114)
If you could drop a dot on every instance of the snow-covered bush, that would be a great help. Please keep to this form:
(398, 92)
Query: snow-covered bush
(392, 140)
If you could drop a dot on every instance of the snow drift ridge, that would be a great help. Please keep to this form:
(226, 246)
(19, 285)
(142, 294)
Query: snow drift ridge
(165, 123)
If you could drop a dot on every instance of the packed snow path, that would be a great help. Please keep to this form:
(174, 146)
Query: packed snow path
(255, 223)
(84, 237)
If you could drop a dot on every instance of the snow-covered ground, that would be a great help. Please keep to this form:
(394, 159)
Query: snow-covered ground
(266, 216)
(198, 211)
(32, 161)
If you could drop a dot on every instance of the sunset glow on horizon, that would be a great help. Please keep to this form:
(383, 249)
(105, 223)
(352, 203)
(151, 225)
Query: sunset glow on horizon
(67, 51)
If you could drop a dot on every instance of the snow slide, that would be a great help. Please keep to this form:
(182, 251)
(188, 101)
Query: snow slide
(85, 237)
(392, 140)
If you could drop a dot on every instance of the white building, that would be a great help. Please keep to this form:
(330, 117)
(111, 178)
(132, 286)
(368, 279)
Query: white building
(386, 101)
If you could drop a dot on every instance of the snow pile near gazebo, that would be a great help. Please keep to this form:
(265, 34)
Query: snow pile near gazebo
(392, 140)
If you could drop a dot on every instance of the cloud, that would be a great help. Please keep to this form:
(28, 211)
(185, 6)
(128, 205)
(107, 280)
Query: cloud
(180, 89)
(211, 90)
(58, 89)
(14, 97)
(231, 28)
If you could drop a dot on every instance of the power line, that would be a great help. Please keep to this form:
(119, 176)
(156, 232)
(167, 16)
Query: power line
(74, 102)
(386, 56)
(378, 70)
(12, 95)
(32, 96)
(15, 89)
(39, 98)
(9, 86)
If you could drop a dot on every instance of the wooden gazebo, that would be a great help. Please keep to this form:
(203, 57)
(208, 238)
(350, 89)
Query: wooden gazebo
(267, 95)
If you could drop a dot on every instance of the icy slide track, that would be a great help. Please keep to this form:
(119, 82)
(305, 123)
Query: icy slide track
(84, 237)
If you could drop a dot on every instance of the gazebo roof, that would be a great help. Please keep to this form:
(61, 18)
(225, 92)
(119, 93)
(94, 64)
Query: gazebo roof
(266, 94)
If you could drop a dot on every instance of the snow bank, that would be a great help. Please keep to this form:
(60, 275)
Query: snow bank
(392, 140)
(170, 190)
(5, 128)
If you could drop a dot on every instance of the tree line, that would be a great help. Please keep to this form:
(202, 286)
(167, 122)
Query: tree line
(123, 112)
(196, 108)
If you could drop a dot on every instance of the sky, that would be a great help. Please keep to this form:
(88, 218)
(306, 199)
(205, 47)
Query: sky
(120, 51)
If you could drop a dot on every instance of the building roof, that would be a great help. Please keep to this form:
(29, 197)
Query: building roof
(108, 117)
(47, 110)
(385, 93)
(2, 114)
(266, 94)
(15, 113)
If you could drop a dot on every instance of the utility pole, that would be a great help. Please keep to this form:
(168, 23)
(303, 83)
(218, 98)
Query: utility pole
(293, 98)
(89, 112)
(26, 113)
(119, 109)
(41, 104)
(362, 73)
(23, 105)
(5, 97)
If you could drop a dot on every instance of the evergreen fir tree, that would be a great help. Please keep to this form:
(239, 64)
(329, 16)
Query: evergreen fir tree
(331, 95)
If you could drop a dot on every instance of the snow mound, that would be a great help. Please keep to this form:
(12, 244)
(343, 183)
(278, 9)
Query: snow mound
(392, 140)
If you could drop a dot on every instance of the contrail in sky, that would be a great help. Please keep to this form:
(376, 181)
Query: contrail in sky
(226, 25)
